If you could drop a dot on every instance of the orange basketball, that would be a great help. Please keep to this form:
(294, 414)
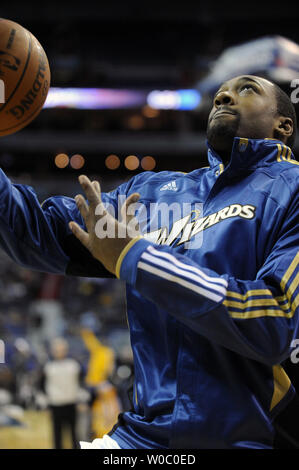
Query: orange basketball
(24, 77)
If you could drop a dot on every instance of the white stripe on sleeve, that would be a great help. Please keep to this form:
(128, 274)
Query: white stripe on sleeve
(189, 285)
(160, 263)
(171, 258)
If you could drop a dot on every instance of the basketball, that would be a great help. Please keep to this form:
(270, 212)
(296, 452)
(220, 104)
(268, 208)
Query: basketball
(24, 77)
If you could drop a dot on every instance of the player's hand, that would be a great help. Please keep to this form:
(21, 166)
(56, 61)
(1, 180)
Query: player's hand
(105, 237)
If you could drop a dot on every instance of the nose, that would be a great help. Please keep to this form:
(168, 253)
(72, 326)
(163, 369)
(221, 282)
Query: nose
(224, 97)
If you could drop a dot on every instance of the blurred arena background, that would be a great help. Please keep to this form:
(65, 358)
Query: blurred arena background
(131, 90)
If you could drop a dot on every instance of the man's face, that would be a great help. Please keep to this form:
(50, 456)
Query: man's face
(244, 106)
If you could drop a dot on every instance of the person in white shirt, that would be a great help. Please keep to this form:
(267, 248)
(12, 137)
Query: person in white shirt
(62, 386)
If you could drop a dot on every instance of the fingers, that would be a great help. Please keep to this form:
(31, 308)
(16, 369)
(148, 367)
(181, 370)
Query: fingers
(93, 194)
(92, 190)
(82, 206)
(82, 236)
(97, 187)
(130, 200)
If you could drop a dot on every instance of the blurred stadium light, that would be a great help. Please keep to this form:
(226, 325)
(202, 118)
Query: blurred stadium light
(179, 99)
(94, 98)
(105, 98)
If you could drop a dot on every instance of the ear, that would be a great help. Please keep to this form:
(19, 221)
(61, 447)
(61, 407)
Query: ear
(283, 128)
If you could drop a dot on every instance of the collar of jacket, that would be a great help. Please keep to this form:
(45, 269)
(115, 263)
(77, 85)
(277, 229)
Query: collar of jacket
(251, 153)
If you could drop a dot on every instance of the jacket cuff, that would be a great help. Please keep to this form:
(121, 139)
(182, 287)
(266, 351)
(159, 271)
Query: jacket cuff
(126, 266)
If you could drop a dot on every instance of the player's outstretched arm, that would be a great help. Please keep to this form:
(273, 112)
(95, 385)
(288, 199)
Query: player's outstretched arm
(255, 318)
(27, 233)
(38, 237)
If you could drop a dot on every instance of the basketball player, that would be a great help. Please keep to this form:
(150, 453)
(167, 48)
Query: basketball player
(212, 297)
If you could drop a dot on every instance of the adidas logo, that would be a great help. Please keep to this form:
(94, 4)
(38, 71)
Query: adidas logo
(169, 186)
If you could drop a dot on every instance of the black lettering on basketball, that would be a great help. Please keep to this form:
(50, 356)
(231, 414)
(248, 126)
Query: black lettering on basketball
(26, 103)
(21, 77)
(11, 38)
(45, 87)
(36, 85)
(17, 111)
(9, 61)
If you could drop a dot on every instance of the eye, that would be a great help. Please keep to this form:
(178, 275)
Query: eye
(248, 86)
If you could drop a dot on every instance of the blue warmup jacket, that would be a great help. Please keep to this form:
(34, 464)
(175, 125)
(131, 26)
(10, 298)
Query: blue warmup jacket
(209, 323)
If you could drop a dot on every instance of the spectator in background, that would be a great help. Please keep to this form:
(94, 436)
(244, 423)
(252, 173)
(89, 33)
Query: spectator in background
(101, 359)
(25, 367)
(62, 387)
(105, 405)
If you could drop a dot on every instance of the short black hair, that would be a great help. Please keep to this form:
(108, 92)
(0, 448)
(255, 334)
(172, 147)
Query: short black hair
(286, 108)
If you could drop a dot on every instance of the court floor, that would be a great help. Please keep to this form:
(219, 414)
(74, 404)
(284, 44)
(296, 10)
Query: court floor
(36, 433)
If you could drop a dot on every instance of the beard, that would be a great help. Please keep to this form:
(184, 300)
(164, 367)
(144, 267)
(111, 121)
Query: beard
(221, 133)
